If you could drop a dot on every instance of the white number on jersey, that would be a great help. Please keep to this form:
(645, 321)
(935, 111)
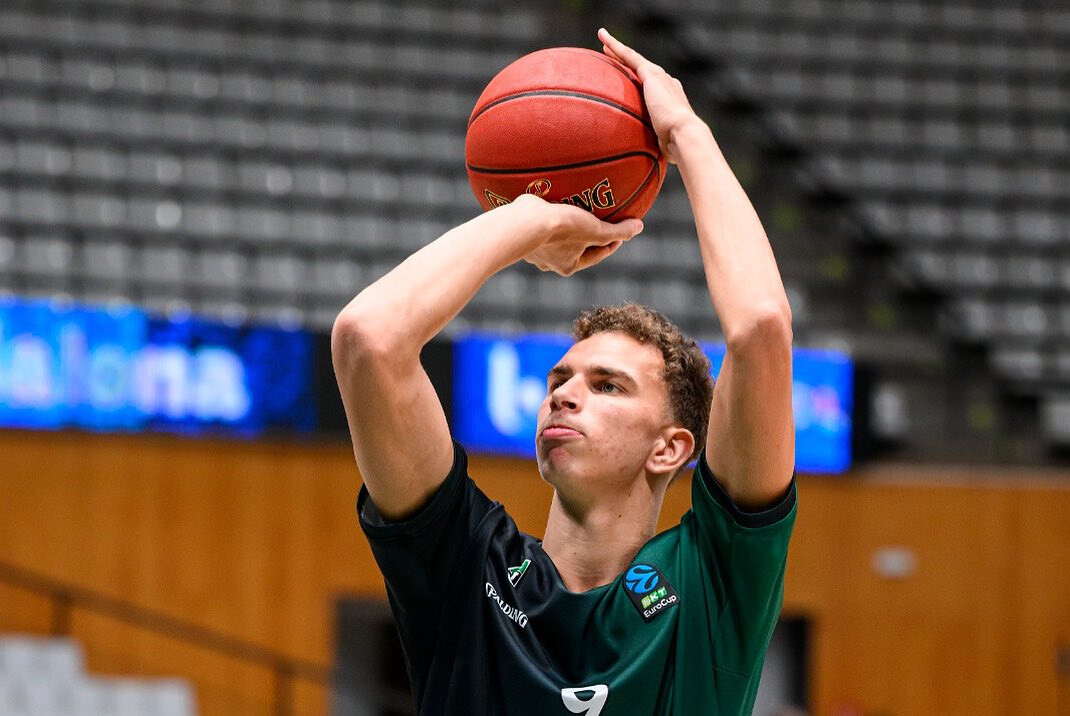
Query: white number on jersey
(591, 706)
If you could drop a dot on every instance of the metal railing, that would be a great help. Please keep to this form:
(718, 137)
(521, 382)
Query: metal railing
(64, 598)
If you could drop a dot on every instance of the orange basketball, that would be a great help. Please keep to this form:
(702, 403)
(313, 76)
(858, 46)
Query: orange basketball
(569, 125)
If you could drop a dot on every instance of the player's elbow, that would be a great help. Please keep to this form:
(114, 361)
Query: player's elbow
(357, 341)
(764, 328)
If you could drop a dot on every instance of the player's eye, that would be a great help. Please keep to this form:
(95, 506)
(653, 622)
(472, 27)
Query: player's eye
(608, 387)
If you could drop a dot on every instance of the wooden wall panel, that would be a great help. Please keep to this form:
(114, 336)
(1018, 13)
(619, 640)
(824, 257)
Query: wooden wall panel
(24, 612)
(310, 699)
(259, 540)
(953, 637)
(224, 685)
(1042, 621)
(230, 536)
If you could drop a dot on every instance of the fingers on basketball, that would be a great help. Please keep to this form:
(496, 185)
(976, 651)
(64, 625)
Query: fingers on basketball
(644, 69)
(617, 49)
(627, 229)
(594, 255)
(623, 52)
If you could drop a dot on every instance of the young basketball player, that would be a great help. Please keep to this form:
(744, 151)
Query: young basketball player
(601, 616)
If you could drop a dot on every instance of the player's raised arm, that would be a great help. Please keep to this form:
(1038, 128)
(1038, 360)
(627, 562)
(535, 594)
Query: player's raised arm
(751, 440)
(400, 436)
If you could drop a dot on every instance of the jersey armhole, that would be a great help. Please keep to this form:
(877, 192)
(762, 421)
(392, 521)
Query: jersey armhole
(376, 526)
(748, 519)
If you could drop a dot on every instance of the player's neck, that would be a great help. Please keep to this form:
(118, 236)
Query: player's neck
(590, 544)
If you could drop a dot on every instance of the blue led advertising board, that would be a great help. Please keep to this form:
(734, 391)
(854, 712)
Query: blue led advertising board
(498, 384)
(125, 370)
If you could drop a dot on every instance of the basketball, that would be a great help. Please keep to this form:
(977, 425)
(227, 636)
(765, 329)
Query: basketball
(569, 125)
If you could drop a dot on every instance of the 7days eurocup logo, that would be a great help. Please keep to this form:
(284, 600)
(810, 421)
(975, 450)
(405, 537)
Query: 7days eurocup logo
(649, 591)
(641, 578)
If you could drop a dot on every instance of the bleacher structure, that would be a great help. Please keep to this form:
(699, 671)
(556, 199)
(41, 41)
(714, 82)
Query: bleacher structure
(941, 127)
(47, 677)
(240, 160)
(266, 160)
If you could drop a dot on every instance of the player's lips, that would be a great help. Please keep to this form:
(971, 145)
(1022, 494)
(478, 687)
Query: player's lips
(555, 431)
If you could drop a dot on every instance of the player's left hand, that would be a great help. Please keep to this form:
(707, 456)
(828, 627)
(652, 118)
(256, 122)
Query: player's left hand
(571, 239)
(670, 111)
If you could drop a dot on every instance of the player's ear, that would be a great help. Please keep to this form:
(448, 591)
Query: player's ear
(670, 451)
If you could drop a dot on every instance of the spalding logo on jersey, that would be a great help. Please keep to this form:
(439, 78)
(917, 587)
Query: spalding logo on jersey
(599, 196)
(649, 591)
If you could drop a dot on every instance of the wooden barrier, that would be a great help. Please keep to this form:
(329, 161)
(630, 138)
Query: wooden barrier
(258, 540)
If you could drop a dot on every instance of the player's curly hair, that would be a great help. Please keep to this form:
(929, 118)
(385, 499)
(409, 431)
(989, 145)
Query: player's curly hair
(687, 369)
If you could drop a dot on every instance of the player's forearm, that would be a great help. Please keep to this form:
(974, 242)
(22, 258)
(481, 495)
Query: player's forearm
(742, 275)
(407, 307)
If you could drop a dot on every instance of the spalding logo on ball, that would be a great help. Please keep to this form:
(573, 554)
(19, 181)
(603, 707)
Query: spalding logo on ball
(539, 187)
(568, 125)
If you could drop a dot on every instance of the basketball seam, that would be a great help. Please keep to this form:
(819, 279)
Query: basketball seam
(559, 167)
(654, 169)
(611, 63)
(561, 93)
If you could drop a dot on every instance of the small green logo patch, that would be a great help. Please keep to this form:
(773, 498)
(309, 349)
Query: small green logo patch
(515, 573)
(654, 596)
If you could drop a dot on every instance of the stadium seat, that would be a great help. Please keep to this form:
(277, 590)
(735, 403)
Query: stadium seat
(46, 677)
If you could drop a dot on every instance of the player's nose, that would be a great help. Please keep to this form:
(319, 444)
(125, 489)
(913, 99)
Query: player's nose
(567, 395)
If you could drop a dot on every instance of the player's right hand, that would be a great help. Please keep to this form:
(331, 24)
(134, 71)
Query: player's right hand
(670, 111)
(573, 239)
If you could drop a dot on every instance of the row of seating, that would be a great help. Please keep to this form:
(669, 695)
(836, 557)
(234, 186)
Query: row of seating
(99, 121)
(46, 677)
(485, 20)
(827, 45)
(1023, 21)
(973, 269)
(1010, 320)
(889, 131)
(86, 169)
(119, 264)
(211, 88)
(978, 223)
(327, 283)
(284, 53)
(935, 178)
(877, 89)
(358, 227)
(51, 251)
(1034, 370)
(549, 310)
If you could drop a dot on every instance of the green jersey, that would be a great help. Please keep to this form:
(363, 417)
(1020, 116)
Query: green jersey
(488, 627)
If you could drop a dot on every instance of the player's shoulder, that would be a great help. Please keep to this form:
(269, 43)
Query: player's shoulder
(664, 547)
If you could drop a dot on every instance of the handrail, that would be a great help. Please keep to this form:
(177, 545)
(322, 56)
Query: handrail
(65, 596)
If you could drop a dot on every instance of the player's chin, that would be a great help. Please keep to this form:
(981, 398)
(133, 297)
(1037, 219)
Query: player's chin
(555, 457)
(570, 445)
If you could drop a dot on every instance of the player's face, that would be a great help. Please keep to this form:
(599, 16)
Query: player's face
(606, 404)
